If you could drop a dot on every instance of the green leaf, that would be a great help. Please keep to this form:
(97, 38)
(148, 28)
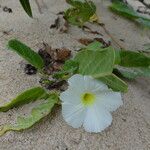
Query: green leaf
(143, 21)
(37, 114)
(96, 63)
(132, 73)
(81, 12)
(26, 6)
(117, 57)
(133, 59)
(114, 83)
(70, 67)
(27, 53)
(24, 98)
(122, 9)
(95, 46)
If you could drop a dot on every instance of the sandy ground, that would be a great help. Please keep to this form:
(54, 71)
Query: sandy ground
(130, 129)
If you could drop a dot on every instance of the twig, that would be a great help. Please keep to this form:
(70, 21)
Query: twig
(5, 32)
(39, 6)
(108, 33)
(91, 31)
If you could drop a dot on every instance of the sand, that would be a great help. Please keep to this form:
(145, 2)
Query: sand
(130, 129)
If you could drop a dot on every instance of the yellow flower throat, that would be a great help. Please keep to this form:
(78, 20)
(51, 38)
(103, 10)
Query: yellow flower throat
(88, 99)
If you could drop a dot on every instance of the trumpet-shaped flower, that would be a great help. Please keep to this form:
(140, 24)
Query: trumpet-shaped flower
(88, 102)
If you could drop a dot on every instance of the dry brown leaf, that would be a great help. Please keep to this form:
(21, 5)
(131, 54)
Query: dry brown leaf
(57, 66)
(85, 41)
(61, 54)
(58, 54)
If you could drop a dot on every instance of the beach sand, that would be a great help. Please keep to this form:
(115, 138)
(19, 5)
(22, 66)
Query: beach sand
(130, 129)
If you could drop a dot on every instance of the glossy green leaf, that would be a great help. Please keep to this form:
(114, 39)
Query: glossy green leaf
(122, 9)
(25, 98)
(37, 114)
(114, 83)
(132, 73)
(27, 53)
(80, 12)
(96, 63)
(133, 59)
(26, 6)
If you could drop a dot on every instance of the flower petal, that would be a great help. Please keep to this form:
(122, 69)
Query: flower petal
(71, 96)
(110, 100)
(96, 119)
(76, 81)
(93, 85)
(73, 114)
(86, 83)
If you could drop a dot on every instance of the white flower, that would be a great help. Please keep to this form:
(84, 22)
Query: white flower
(88, 102)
